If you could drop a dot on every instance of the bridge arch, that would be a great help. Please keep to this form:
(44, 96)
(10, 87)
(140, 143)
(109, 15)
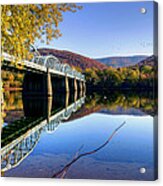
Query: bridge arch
(66, 68)
(52, 62)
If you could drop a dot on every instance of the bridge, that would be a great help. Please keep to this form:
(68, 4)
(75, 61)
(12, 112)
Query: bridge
(14, 152)
(45, 75)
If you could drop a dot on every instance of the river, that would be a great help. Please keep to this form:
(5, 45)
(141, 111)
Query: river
(69, 136)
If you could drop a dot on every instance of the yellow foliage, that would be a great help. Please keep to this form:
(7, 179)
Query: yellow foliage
(21, 25)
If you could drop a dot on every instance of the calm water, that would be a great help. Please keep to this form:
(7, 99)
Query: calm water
(54, 146)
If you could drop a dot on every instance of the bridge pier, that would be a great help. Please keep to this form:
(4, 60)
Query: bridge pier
(75, 96)
(84, 86)
(49, 108)
(67, 96)
(75, 85)
(80, 85)
(46, 84)
(67, 84)
(49, 84)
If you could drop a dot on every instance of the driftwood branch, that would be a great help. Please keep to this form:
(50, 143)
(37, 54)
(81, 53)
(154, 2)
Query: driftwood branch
(63, 171)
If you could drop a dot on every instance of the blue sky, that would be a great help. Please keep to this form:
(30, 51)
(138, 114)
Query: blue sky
(107, 29)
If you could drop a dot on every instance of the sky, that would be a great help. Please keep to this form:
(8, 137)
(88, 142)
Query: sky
(107, 29)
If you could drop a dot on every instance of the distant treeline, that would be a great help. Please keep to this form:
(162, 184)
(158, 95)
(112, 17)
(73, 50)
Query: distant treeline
(143, 77)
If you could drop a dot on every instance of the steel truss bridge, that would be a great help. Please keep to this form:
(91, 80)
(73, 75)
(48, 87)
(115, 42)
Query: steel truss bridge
(42, 63)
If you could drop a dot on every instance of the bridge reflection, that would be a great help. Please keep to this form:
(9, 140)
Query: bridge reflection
(20, 138)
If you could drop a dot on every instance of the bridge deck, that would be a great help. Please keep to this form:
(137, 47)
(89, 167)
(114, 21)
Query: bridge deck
(58, 68)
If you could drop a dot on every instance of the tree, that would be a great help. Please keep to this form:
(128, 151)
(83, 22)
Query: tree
(113, 77)
(146, 70)
(90, 74)
(21, 25)
(133, 76)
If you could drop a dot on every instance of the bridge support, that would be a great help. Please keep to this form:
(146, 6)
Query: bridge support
(75, 85)
(49, 84)
(75, 96)
(84, 86)
(49, 108)
(67, 96)
(80, 85)
(45, 84)
(66, 84)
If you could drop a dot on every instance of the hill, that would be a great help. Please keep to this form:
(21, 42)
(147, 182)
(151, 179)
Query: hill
(150, 61)
(73, 59)
(121, 61)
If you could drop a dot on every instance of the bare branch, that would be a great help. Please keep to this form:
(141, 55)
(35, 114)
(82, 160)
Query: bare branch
(63, 171)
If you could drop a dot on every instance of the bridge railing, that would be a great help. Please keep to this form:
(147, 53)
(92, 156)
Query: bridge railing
(42, 62)
(54, 63)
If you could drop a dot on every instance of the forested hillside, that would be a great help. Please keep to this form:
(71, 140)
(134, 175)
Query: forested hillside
(73, 59)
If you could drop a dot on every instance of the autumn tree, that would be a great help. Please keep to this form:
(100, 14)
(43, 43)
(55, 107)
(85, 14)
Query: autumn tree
(90, 75)
(146, 70)
(21, 25)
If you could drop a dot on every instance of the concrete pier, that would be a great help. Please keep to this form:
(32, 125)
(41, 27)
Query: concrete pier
(49, 84)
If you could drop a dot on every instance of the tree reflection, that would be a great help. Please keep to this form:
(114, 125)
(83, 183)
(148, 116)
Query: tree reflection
(143, 101)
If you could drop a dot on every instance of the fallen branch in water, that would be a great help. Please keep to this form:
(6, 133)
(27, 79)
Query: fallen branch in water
(63, 171)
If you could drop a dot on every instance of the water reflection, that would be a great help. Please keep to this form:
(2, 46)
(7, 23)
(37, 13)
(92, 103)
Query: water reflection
(124, 102)
(19, 138)
(32, 147)
(119, 103)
